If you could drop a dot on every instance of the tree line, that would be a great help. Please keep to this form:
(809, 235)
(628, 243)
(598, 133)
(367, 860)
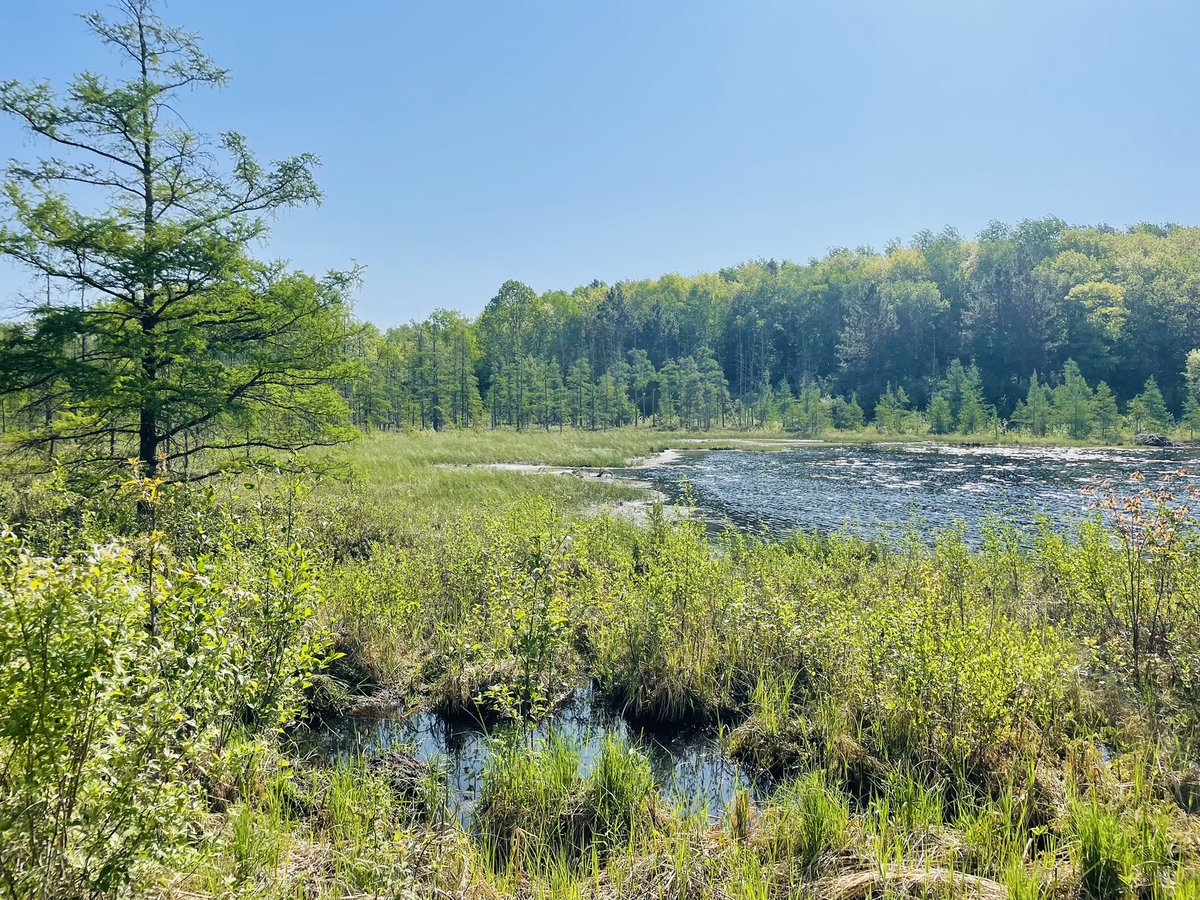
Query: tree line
(941, 333)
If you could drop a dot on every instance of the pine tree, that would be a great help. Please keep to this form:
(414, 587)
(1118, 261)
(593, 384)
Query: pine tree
(891, 410)
(813, 412)
(849, 415)
(1034, 413)
(1148, 410)
(161, 338)
(940, 414)
(974, 414)
(1191, 404)
(581, 391)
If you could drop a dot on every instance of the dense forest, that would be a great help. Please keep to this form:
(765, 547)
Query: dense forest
(1042, 327)
(1022, 322)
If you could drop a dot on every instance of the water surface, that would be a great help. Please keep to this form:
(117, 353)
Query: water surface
(688, 767)
(878, 489)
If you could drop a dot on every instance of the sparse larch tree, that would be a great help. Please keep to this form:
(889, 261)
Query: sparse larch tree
(159, 337)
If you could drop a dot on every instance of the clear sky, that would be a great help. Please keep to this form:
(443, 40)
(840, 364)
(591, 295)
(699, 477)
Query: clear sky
(559, 141)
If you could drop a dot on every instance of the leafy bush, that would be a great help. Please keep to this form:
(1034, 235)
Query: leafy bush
(98, 717)
(122, 673)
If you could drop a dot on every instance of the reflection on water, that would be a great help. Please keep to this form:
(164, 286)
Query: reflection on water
(688, 767)
(879, 488)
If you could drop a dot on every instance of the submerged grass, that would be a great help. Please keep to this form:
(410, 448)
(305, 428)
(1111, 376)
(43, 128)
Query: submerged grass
(426, 476)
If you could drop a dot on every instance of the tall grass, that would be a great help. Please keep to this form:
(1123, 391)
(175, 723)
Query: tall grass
(1010, 720)
(536, 804)
(409, 478)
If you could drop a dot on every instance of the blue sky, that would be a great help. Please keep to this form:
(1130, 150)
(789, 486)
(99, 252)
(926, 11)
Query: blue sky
(556, 142)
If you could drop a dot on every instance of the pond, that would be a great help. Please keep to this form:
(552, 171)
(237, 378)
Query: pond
(688, 767)
(880, 489)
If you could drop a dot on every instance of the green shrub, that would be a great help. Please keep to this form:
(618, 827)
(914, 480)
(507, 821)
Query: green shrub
(123, 672)
(100, 721)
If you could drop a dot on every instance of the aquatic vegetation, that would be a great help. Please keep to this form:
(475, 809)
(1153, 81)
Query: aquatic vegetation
(536, 803)
(925, 716)
(805, 820)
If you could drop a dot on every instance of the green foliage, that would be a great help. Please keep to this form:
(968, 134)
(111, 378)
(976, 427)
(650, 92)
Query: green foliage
(932, 712)
(807, 819)
(956, 325)
(847, 414)
(892, 414)
(1148, 410)
(1104, 410)
(1124, 589)
(660, 646)
(1074, 402)
(1120, 853)
(941, 415)
(536, 804)
(124, 672)
(813, 412)
(960, 400)
(95, 732)
(159, 338)
(1034, 413)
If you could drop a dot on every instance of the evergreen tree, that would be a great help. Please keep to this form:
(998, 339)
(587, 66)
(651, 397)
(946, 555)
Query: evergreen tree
(1034, 413)
(1148, 410)
(813, 412)
(1191, 403)
(641, 383)
(668, 404)
(952, 388)
(581, 393)
(557, 397)
(160, 337)
(785, 407)
(974, 414)
(847, 414)
(1104, 411)
(940, 414)
(1191, 415)
(891, 412)
(1073, 402)
(716, 392)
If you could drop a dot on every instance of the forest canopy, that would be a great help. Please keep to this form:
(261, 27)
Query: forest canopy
(1009, 318)
(1074, 331)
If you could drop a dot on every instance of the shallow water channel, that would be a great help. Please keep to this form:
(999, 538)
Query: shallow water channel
(688, 767)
